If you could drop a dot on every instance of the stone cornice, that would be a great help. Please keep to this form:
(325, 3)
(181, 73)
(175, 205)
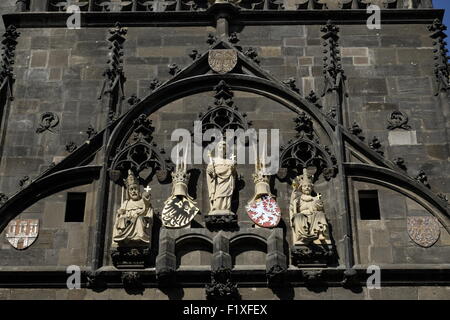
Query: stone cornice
(207, 18)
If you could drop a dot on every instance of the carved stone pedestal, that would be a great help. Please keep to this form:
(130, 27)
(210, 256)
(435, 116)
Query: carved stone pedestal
(312, 255)
(130, 257)
(221, 286)
(221, 221)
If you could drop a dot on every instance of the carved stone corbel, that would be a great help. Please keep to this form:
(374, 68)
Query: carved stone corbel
(312, 277)
(351, 279)
(132, 282)
(221, 286)
(95, 281)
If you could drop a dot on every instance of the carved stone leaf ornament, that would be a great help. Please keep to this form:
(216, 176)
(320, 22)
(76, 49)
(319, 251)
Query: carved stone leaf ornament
(222, 60)
(398, 119)
(49, 120)
(22, 233)
(424, 231)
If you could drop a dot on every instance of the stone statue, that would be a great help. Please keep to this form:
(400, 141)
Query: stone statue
(221, 180)
(306, 212)
(135, 215)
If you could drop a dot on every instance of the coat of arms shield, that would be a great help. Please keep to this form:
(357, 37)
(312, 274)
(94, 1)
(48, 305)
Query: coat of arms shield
(21, 233)
(222, 60)
(264, 211)
(424, 231)
(178, 212)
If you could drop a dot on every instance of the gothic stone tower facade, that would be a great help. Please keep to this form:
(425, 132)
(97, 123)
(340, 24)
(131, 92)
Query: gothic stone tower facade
(88, 112)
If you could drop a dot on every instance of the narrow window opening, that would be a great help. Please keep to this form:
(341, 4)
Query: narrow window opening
(75, 205)
(369, 208)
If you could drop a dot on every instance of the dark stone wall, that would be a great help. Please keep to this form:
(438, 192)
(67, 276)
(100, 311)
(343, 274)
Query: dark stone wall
(386, 241)
(61, 71)
(385, 293)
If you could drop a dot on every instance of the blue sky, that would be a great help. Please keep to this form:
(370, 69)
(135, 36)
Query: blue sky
(444, 4)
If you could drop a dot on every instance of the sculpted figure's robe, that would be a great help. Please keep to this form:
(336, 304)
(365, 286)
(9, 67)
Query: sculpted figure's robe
(134, 222)
(221, 182)
(307, 218)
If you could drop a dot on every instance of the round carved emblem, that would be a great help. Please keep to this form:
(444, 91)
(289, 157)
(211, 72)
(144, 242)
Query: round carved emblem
(222, 60)
(424, 231)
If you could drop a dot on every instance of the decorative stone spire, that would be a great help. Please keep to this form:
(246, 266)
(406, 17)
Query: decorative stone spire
(441, 67)
(333, 72)
(9, 47)
(114, 74)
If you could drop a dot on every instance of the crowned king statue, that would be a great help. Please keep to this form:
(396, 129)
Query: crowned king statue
(135, 216)
(308, 221)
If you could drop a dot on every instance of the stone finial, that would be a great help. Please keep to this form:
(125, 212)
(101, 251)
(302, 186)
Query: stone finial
(3, 199)
(357, 131)
(423, 178)
(400, 162)
(211, 39)
(133, 99)
(71, 146)
(174, 69)
(91, 131)
(194, 55)
(252, 54)
(314, 99)
(291, 84)
(154, 84)
(375, 145)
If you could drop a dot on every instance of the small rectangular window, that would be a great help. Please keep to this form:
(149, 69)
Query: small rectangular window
(369, 208)
(75, 205)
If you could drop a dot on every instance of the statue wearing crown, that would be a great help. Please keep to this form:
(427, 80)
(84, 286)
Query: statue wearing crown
(135, 216)
(221, 180)
(306, 211)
